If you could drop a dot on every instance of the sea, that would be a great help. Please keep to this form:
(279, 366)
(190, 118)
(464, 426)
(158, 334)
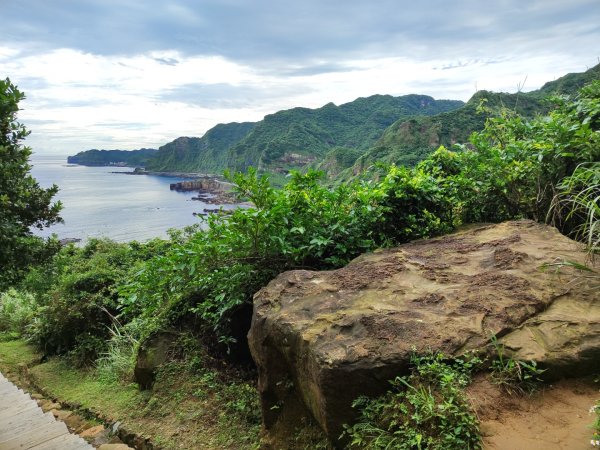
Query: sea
(106, 202)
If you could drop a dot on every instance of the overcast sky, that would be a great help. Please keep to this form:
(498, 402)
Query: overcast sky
(140, 73)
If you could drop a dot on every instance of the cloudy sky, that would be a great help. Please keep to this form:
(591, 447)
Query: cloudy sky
(139, 73)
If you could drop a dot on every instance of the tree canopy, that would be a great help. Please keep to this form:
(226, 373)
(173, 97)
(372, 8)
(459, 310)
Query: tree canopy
(23, 203)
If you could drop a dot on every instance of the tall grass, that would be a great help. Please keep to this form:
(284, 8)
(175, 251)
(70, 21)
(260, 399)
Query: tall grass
(578, 202)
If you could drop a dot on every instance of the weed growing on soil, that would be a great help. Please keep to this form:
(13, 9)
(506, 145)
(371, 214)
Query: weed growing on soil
(427, 409)
(513, 375)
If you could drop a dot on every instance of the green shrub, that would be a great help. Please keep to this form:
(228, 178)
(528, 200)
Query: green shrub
(514, 376)
(16, 312)
(214, 274)
(427, 409)
(576, 206)
(77, 298)
(116, 363)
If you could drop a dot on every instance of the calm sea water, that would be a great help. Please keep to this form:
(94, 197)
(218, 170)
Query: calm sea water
(99, 203)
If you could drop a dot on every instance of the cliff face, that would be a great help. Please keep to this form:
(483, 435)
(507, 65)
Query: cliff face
(201, 185)
(328, 337)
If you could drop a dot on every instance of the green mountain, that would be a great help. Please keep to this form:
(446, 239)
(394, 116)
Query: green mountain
(207, 154)
(408, 141)
(295, 138)
(129, 158)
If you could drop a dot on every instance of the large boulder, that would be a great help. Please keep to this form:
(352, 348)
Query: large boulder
(321, 339)
(155, 351)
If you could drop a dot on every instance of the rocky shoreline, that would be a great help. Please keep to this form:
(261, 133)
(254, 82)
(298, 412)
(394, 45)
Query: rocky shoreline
(211, 188)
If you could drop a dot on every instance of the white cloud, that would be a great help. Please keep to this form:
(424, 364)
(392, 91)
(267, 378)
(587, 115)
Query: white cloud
(146, 72)
(78, 100)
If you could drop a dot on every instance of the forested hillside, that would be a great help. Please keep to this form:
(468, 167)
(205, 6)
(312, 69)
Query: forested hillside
(409, 141)
(295, 138)
(207, 154)
(131, 158)
(344, 140)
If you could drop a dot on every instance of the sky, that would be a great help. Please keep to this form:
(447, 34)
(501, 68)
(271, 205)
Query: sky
(139, 73)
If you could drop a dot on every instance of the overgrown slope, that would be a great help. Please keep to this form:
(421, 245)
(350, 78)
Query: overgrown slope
(294, 138)
(132, 158)
(205, 154)
(409, 141)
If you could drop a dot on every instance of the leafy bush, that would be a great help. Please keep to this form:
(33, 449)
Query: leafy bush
(215, 273)
(515, 165)
(76, 296)
(16, 312)
(424, 410)
(578, 203)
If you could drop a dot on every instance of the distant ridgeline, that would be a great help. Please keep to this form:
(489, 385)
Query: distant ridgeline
(131, 158)
(344, 140)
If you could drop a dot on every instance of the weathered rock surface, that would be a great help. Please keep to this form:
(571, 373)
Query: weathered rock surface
(328, 337)
(153, 352)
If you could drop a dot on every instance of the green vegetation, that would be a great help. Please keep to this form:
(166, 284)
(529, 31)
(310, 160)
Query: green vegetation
(191, 406)
(427, 409)
(207, 154)
(578, 201)
(96, 304)
(130, 158)
(347, 139)
(406, 142)
(23, 203)
(208, 278)
(295, 138)
(298, 137)
(596, 426)
(514, 376)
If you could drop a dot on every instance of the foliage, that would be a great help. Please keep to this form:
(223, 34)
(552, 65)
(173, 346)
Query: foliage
(17, 310)
(596, 426)
(303, 225)
(427, 409)
(528, 159)
(206, 154)
(116, 363)
(514, 376)
(311, 133)
(410, 140)
(132, 158)
(578, 202)
(23, 203)
(76, 297)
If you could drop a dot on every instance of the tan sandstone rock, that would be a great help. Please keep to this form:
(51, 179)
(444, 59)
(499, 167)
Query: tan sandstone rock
(321, 339)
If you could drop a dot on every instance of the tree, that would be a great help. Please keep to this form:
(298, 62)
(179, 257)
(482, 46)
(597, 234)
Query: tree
(23, 203)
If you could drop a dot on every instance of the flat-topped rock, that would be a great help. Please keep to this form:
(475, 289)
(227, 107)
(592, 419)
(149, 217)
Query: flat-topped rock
(328, 337)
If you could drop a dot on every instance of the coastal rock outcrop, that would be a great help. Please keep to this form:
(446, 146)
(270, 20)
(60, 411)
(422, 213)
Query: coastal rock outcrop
(201, 184)
(321, 339)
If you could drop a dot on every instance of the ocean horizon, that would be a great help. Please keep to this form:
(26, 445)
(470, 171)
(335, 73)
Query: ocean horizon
(105, 202)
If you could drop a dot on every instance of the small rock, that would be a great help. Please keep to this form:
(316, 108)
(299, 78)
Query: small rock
(115, 447)
(48, 405)
(60, 414)
(92, 432)
(76, 424)
(37, 396)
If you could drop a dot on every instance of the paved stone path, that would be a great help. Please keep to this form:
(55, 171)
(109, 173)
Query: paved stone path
(23, 424)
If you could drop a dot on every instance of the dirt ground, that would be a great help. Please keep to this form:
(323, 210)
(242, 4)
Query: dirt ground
(556, 418)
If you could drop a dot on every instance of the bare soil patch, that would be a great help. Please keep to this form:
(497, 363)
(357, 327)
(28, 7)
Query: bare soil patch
(555, 418)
